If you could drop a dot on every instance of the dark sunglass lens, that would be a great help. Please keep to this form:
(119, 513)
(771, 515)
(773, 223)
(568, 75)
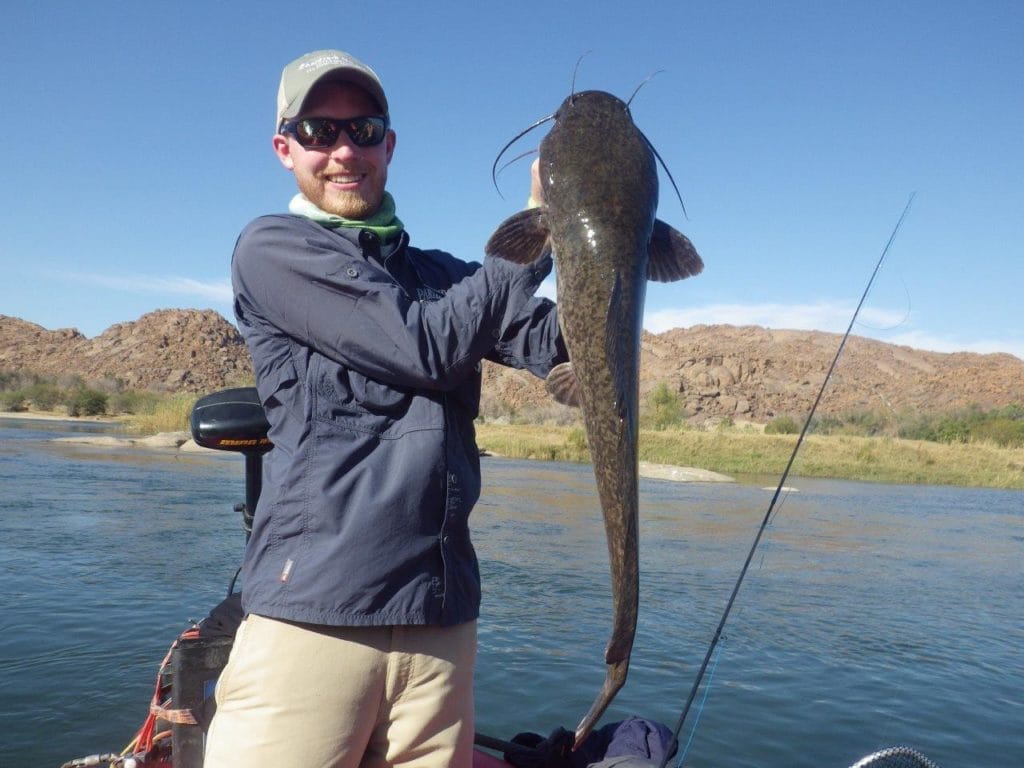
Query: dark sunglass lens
(315, 132)
(323, 132)
(365, 131)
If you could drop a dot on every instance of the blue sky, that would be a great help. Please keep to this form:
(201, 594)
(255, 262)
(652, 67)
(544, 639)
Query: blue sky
(139, 146)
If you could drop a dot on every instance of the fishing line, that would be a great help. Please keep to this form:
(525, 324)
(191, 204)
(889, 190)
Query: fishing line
(700, 709)
(782, 481)
(908, 310)
(778, 507)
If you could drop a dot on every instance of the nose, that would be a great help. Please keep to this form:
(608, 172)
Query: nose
(344, 148)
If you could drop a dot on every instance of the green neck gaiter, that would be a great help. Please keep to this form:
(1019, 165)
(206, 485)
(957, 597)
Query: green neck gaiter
(384, 222)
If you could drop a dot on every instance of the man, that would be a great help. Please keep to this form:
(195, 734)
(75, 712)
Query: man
(360, 584)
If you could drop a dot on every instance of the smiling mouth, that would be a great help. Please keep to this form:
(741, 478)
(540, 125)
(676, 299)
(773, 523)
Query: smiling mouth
(347, 178)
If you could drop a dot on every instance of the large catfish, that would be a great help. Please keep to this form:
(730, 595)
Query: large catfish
(600, 185)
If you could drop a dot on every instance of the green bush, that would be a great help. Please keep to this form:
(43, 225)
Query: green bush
(952, 430)
(132, 402)
(44, 395)
(1014, 412)
(826, 425)
(860, 423)
(867, 423)
(577, 440)
(1005, 432)
(1003, 426)
(86, 402)
(916, 427)
(13, 400)
(663, 409)
(782, 425)
(170, 413)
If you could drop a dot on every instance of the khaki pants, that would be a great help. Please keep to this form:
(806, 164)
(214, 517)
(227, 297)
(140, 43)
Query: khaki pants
(345, 697)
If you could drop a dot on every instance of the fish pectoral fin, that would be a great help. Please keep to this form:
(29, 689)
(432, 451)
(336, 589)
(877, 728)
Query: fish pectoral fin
(672, 255)
(562, 385)
(522, 238)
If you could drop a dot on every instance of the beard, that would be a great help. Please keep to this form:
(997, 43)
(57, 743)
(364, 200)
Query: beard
(349, 205)
(358, 205)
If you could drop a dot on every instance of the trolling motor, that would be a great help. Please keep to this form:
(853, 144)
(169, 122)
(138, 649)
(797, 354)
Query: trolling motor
(233, 420)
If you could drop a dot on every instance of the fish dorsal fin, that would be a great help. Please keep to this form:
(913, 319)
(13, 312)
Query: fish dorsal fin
(562, 385)
(522, 238)
(672, 255)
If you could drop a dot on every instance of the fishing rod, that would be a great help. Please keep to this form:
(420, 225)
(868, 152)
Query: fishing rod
(782, 482)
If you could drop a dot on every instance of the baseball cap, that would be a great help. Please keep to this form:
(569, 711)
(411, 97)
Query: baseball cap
(299, 77)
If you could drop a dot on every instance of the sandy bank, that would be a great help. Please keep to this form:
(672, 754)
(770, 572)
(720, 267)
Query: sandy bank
(36, 416)
(165, 440)
(182, 441)
(682, 474)
(162, 440)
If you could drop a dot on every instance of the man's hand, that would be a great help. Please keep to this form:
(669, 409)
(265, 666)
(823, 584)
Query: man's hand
(536, 190)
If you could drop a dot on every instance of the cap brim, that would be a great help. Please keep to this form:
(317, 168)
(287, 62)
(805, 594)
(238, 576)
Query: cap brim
(343, 74)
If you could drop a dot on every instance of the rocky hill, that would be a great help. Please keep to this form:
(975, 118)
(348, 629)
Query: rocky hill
(169, 350)
(746, 373)
(754, 374)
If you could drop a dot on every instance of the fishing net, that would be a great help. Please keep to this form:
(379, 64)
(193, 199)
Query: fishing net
(895, 757)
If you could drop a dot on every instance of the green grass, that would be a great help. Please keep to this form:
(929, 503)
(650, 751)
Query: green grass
(875, 459)
(166, 414)
(967, 448)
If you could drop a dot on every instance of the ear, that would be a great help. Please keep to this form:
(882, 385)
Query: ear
(389, 144)
(283, 151)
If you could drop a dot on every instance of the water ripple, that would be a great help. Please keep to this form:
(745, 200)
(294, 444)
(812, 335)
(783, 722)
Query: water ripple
(873, 615)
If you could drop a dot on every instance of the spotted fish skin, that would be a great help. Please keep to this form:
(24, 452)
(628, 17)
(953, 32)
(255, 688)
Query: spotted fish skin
(598, 219)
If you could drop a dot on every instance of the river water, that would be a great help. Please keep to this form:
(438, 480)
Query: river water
(872, 615)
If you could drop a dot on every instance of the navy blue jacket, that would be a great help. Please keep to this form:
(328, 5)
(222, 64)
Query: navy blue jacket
(369, 370)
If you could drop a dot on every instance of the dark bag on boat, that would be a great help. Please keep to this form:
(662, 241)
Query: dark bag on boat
(633, 742)
(620, 744)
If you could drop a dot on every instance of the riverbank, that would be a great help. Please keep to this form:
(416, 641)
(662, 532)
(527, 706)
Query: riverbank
(56, 416)
(165, 440)
(749, 452)
(715, 455)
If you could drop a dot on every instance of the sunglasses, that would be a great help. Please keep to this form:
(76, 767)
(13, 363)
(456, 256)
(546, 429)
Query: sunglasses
(323, 132)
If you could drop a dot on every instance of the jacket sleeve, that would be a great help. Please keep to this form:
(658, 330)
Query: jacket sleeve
(306, 282)
(532, 340)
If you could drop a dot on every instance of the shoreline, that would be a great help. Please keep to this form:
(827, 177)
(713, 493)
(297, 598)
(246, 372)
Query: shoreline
(742, 453)
(182, 441)
(176, 440)
(54, 416)
(697, 456)
(682, 474)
